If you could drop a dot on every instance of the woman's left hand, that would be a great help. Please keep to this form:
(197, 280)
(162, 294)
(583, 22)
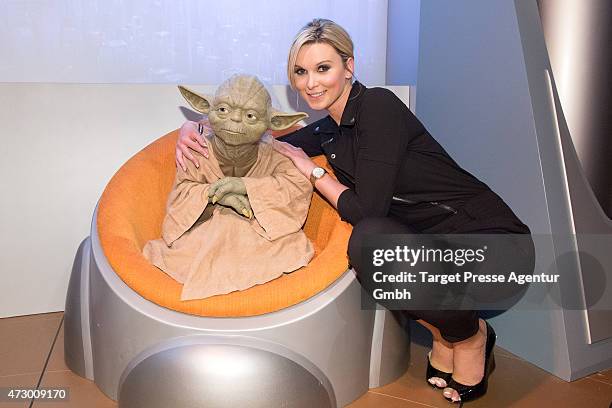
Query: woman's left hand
(297, 156)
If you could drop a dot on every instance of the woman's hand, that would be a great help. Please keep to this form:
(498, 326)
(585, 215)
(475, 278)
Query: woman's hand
(191, 139)
(300, 159)
(328, 186)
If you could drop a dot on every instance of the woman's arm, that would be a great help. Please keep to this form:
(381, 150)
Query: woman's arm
(327, 185)
(385, 127)
(306, 139)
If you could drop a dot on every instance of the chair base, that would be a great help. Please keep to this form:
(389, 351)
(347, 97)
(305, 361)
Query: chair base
(325, 352)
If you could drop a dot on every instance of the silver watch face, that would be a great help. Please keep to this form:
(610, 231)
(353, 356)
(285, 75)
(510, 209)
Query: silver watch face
(318, 172)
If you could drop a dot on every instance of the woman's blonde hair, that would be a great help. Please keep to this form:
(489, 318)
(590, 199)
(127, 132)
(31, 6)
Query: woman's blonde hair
(320, 30)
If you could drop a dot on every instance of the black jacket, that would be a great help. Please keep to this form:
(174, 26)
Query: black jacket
(392, 165)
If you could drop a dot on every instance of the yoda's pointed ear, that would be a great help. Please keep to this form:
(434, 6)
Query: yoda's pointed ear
(199, 102)
(281, 120)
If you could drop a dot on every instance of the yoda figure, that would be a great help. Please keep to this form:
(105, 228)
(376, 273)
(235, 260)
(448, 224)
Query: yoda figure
(235, 221)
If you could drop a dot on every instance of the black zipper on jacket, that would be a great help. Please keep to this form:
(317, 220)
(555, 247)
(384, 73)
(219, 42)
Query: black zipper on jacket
(434, 203)
(327, 142)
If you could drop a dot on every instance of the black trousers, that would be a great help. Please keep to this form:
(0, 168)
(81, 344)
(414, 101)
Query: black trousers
(454, 325)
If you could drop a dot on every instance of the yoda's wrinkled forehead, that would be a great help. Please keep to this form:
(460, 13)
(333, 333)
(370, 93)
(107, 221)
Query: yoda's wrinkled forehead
(243, 91)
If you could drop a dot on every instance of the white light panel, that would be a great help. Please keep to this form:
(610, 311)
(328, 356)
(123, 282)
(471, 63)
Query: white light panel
(174, 41)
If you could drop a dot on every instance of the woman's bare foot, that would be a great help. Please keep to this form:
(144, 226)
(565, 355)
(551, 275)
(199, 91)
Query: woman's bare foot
(468, 360)
(441, 358)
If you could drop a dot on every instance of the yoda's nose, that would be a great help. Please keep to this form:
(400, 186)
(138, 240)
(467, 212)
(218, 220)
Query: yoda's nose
(236, 115)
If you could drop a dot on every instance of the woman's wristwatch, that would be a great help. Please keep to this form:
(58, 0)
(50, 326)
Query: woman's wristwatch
(316, 174)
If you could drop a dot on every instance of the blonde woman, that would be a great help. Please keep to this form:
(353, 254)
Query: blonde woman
(392, 177)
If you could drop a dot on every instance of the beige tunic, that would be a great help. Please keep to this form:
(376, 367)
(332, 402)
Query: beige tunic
(212, 255)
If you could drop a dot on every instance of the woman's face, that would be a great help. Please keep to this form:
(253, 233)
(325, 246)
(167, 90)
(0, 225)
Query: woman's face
(321, 78)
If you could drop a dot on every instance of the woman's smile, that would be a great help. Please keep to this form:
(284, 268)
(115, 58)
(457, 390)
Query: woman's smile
(322, 79)
(315, 94)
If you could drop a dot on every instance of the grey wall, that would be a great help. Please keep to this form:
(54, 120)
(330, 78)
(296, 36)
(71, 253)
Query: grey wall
(402, 41)
(473, 96)
(482, 92)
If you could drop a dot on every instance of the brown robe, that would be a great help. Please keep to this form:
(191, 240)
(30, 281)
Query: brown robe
(219, 251)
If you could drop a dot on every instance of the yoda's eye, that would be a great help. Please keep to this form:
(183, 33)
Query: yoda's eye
(222, 109)
(251, 116)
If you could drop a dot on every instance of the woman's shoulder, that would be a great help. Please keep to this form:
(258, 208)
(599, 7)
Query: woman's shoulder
(381, 101)
(382, 96)
(378, 92)
(381, 106)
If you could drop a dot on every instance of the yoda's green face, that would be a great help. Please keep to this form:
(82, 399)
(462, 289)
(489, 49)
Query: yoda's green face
(241, 110)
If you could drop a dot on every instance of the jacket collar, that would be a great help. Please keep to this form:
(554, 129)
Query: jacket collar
(350, 110)
(348, 115)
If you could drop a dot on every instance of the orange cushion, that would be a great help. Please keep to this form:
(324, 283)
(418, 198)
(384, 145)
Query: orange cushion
(131, 211)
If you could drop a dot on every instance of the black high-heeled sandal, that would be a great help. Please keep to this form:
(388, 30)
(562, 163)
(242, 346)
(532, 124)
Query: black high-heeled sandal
(471, 392)
(434, 372)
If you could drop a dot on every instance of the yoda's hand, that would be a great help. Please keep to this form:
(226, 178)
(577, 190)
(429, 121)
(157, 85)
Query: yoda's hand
(239, 202)
(225, 186)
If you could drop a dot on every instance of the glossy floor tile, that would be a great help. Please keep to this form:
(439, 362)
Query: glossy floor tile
(25, 342)
(374, 399)
(514, 383)
(604, 376)
(56, 359)
(18, 381)
(83, 393)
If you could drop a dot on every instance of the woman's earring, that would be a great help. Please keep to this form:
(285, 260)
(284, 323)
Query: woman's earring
(297, 101)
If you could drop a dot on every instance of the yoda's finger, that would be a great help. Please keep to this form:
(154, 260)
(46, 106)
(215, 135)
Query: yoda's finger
(246, 210)
(212, 190)
(234, 202)
(238, 203)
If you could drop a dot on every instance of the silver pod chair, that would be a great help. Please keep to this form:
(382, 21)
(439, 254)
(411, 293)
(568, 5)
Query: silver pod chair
(302, 340)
